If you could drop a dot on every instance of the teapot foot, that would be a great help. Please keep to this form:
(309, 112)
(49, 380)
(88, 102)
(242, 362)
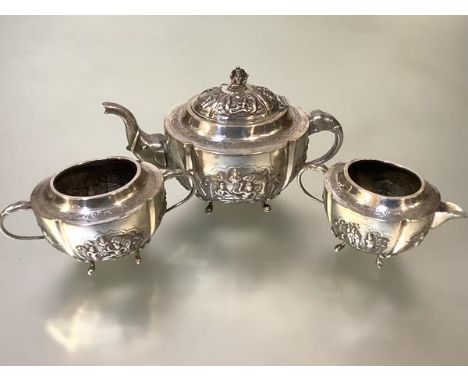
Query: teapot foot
(266, 206)
(339, 247)
(209, 208)
(138, 258)
(91, 268)
(379, 262)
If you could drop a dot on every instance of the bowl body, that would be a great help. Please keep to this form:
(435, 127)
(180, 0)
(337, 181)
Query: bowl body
(379, 207)
(100, 210)
(375, 235)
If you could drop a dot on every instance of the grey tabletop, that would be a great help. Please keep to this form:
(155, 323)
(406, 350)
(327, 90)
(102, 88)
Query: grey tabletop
(239, 286)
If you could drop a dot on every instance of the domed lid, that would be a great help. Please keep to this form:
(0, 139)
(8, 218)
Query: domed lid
(239, 103)
(236, 118)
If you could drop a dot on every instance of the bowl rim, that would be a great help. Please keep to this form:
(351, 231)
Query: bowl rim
(393, 164)
(97, 196)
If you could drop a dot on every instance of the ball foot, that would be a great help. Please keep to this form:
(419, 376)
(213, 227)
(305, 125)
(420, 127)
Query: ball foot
(91, 268)
(138, 259)
(209, 208)
(266, 206)
(339, 247)
(379, 262)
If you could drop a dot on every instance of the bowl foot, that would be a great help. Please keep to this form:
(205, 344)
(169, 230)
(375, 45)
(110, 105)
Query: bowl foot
(266, 206)
(379, 262)
(138, 258)
(209, 208)
(91, 268)
(339, 247)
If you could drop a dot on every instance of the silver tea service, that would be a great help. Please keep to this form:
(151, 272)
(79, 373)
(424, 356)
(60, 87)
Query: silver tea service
(380, 207)
(233, 143)
(242, 142)
(99, 210)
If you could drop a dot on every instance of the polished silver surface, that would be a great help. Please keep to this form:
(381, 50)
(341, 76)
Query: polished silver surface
(242, 142)
(99, 210)
(380, 207)
(238, 286)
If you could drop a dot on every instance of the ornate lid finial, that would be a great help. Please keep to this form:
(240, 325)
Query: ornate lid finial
(238, 78)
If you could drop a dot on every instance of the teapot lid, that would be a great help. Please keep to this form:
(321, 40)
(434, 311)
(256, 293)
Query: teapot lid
(237, 118)
(238, 103)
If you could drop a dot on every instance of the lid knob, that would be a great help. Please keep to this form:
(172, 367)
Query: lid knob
(238, 78)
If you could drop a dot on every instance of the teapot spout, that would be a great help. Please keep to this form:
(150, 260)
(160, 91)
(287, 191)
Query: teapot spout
(146, 147)
(447, 211)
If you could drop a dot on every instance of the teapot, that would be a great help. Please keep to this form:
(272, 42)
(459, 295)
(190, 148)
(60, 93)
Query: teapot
(242, 142)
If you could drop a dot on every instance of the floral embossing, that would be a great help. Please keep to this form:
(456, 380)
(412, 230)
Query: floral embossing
(239, 184)
(111, 245)
(256, 100)
(214, 102)
(351, 233)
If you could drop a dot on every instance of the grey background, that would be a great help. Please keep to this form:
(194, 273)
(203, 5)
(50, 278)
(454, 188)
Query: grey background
(239, 286)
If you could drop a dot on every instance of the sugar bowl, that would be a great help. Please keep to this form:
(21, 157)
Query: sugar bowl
(380, 207)
(99, 210)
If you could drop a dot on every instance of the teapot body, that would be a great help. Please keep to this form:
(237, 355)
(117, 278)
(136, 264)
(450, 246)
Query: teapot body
(238, 175)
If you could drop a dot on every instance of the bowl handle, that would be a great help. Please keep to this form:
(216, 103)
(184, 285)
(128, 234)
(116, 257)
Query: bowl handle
(320, 121)
(169, 174)
(320, 168)
(18, 206)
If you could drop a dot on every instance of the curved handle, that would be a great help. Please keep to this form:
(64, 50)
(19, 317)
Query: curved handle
(169, 174)
(321, 121)
(320, 168)
(18, 206)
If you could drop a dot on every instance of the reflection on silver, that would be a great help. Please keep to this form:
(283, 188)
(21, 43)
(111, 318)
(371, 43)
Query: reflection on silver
(85, 327)
(380, 207)
(239, 130)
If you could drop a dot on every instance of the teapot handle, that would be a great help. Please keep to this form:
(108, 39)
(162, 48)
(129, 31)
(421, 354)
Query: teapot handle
(18, 206)
(322, 121)
(320, 168)
(169, 174)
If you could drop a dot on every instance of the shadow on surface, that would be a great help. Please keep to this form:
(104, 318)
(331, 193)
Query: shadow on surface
(390, 285)
(238, 245)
